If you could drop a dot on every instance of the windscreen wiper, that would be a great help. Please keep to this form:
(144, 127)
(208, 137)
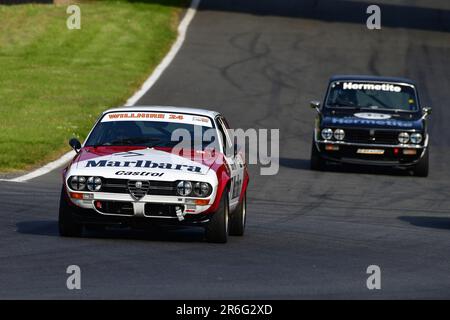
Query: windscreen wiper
(343, 105)
(396, 110)
(127, 142)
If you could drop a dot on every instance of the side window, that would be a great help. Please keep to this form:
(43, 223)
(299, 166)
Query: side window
(225, 122)
(227, 133)
(223, 133)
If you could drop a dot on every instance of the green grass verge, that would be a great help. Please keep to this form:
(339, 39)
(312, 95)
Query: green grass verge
(54, 82)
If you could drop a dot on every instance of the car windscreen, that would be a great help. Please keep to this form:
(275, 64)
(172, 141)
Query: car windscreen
(152, 129)
(372, 95)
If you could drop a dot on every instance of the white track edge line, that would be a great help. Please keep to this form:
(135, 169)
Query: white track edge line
(44, 169)
(147, 85)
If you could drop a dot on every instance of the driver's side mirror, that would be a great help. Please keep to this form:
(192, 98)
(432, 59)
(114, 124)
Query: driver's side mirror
(75, 144)
(315, 105)
(427, 111)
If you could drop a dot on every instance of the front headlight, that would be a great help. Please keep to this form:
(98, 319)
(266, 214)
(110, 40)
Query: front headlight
(403, 137)
(339, 134)
(202, 189)
(184, 188)
(77, 183)
(327, 133)
(416, 138)
(94, 183)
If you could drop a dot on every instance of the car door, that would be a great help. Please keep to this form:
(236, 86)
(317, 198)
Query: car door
(235, 162)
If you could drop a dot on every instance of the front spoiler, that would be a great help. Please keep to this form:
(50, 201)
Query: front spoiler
(92, 217)
(338, 157)
(138, 206)
(378, 163)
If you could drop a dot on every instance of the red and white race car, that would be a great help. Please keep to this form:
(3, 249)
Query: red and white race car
(165, 165)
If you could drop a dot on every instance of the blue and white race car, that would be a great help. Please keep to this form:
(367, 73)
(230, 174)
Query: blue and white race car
(371, 121)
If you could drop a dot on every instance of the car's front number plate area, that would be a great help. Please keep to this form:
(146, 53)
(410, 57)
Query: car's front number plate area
(370, 151)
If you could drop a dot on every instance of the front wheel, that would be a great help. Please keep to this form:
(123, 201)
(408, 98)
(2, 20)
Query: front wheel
(217, 228)
(421, 168)
(67, 226)
(238, 218)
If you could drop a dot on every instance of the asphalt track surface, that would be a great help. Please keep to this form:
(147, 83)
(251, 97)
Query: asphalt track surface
(309, 234)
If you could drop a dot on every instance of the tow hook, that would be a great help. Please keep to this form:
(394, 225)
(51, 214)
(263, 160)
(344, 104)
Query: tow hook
(179, 213)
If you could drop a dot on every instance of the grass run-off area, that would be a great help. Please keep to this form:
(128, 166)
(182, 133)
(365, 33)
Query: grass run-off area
(54, 82)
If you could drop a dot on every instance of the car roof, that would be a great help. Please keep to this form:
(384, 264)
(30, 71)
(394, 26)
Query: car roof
(196, 111)
(371, 78)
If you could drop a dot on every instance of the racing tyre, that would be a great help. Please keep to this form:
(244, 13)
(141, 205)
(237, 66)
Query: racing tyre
(217, 228)
(317, 163)
(238, 218)
(67, 226)
(421, 169)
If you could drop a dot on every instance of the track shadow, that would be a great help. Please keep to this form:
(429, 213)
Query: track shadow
(301, 164)
(304, 164)
(346, 11)
(166, 234)
(41, 228)
(178, 234)
(334, 11)
(361, 169)
(427, 222)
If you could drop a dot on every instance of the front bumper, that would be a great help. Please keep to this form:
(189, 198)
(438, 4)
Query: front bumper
(92, 217)
(149, 207)
(352, 153)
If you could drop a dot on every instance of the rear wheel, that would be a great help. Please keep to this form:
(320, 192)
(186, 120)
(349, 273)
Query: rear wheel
(67, 226)
(421, 168)
(238, 218)
(217, 228)
(317, 162)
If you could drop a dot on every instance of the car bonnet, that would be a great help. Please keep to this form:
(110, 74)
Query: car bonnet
(119, 162)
